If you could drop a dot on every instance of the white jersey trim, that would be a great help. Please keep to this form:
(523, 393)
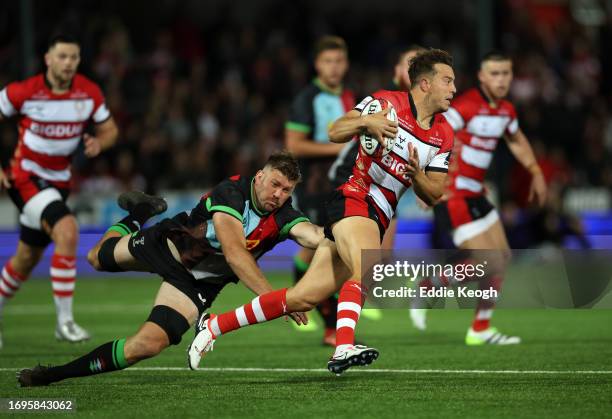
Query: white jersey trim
(489, 126)
(101, 114)
(513, 126)
(59, 147)
(380, 176)
(6, 106)
(474, 228)
(439, 161)
(33, 209)
(70, 110)
(454, 118)
(48, 174)
(381, 201)
(462, 182)
(478, 158)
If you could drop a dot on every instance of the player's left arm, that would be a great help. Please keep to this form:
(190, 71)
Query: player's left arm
(307, 234)
(521, 149)
(106, 134)
(428, 184)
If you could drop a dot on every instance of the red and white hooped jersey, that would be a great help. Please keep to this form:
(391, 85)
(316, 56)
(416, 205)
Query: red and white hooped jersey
(383, 177)
(478, 125)
(50, 125)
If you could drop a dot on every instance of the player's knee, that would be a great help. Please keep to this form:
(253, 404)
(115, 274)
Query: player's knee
(302, 302)
(26, 258)
(92, 258)
(171, 322)
(145, 344)
(66, 232)
(102, 256)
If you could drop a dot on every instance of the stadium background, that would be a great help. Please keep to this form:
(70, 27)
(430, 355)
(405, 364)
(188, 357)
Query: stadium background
(200, 91)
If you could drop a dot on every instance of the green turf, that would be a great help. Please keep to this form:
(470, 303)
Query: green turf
(554, 340)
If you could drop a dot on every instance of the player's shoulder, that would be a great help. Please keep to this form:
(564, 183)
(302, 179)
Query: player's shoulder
(443, 127)
(31, 84)
(507, 106)
(237, 182)
(471, 95)
(81, 81)
(398, 99)
(309, 91)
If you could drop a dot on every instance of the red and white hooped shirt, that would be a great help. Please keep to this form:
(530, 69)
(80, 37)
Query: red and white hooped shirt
(50, 125)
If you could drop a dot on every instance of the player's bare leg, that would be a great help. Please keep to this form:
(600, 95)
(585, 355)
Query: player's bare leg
(172, 315)
(329, 270)
(65, 235)
(353, 235)
(387, 244)
(16, 272)
(111, 253)
(481, 332)
(325, 275)
(497, 253)
(301, 263)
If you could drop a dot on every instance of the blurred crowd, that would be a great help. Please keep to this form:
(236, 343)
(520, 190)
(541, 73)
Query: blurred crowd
(200, 97)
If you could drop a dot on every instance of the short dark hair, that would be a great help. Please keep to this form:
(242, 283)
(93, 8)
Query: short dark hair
(62, 38)
(284, 162)
(495, 55)
(411, 48)
(328, 42)
(424, 62)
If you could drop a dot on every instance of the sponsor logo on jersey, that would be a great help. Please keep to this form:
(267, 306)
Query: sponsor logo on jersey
(252, 244)
(395, 166)
(57, 130)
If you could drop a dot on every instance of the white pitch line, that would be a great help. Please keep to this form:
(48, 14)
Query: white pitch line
(366, 370)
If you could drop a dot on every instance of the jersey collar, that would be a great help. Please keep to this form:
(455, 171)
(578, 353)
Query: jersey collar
(413, 109)
(337, 91)
(253, 201)
(486, 98)
(50, 86)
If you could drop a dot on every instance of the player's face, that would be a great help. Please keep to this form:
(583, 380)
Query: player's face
(496, 77)
(401, 70)
(331, 66)
(442, 87)
(272, 189)
(63, 60)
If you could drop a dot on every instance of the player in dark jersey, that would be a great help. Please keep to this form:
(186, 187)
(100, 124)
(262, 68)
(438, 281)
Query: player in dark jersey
(481, 117)
(53, 110)
(314, 109)
(196, 254)
(342, 168)
(359, 212)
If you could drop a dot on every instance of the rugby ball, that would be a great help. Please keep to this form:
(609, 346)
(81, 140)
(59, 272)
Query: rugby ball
(369, 143)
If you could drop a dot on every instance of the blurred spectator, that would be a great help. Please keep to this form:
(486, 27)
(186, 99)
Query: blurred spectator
(201, 91)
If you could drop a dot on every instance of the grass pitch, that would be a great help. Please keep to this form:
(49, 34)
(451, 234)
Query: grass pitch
(562, 369)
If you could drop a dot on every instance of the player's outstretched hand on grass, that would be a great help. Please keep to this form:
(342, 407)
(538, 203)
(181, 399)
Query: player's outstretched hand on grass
(298, 317)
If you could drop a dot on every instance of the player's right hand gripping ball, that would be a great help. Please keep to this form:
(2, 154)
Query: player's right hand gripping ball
(369, 143)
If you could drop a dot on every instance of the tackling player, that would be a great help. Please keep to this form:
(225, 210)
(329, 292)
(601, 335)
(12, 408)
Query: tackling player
(360, 210)
(196, 255)
(53, 110)
(314, 109)
(481, 117)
